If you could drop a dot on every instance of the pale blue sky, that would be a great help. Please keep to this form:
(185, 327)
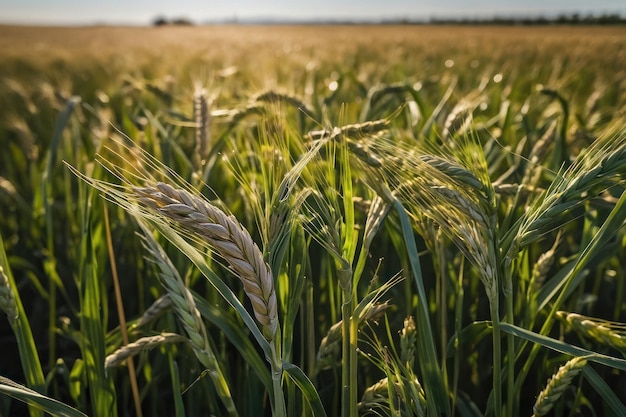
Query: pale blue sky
(144, 11)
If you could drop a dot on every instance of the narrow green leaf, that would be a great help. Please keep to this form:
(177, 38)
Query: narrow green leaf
(307, 388)
(29, 357)
(77, 382)
(563, 347)
(178, 397)
(92, 325)
(473, 333)
(605, 391)
(37, 400)
(59, 126)
(551, 288)
(434, 385)
(466, 406)
(235, 334)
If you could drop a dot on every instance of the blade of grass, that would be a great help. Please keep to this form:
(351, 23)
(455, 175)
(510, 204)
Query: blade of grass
(233, 332)
(307, 388)
(92, 300)
(563, 347)
(434, 385)
(29, 357)
(54, 281)
(37, 400)
(350, 323)
(178, 397)
(604, 390)
(297, 281)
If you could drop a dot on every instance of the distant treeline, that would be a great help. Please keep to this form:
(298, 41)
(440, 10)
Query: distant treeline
(180, 21)
(573, 19)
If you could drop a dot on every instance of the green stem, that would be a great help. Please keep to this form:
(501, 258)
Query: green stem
(221, 387)
(31, 366)
(510, 380)
(510, 344)
(441, 299)
(348, 363)
(354, 326)
(52, 316)
(458, 325)
(345, 355)
(497, 357)
(348, 341)
(347, 283)
(280, 410)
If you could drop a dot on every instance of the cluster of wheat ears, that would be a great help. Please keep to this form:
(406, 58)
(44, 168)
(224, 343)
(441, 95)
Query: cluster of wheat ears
(389, 227)
(450, 190)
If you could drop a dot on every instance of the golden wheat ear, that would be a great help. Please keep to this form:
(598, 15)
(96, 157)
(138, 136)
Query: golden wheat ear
(227, 237)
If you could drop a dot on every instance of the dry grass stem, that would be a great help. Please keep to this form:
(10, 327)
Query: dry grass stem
(236, 116)
(512, 189)
(542, 146)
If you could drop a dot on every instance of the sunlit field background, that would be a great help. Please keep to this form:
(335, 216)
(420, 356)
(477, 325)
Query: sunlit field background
(427, 220)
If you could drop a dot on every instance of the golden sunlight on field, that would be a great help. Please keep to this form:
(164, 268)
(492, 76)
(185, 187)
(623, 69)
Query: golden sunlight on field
(313, 221)
(317, 41)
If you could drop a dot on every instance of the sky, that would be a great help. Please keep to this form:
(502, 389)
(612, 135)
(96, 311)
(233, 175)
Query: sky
(143, 12)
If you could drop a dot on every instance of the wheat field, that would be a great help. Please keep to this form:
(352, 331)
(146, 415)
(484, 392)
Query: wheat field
(245, 220)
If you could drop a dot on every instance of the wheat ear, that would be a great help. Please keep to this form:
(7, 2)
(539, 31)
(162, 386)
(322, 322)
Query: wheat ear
(408, 340)
(557, 386)
(593, 171)
(158, 307)
(7, 299)
(331, 343)
(188, 314)
(274, 96)
(609, 333)
(228, 238)
(374, 395)
(202, 118)
(385, 392)
(145, 343)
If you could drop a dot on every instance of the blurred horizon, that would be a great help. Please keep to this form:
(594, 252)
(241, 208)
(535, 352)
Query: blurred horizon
(143, 13)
